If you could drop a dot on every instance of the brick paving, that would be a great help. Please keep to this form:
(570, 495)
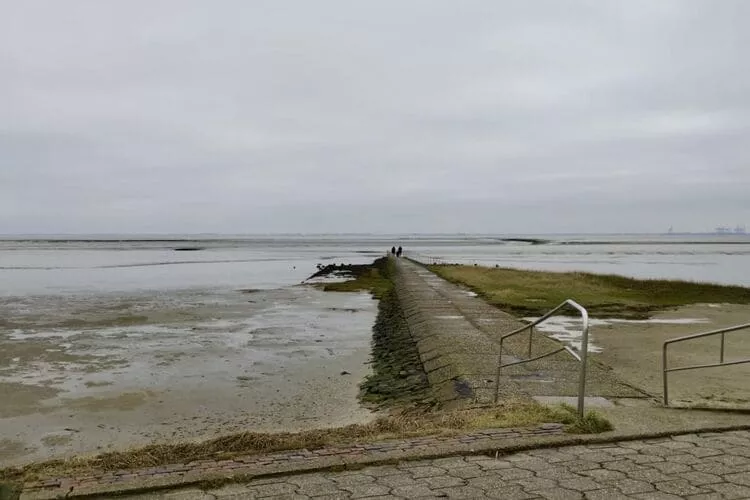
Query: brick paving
(256, 465)
(694, 466)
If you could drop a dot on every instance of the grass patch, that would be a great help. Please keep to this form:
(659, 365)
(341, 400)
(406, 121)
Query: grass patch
(372, 278)
(529, 293)
(400, 425)
(9, 491)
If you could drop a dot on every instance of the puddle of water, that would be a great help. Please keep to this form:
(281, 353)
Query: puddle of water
(567, 329)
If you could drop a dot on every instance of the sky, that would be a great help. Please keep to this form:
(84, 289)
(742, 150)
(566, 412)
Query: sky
(417, 116)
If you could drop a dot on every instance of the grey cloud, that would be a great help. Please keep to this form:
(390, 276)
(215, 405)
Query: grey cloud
(512, 116)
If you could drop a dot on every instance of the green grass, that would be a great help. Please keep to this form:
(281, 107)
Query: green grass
(373, 279)
(9, 491)
(535, 292)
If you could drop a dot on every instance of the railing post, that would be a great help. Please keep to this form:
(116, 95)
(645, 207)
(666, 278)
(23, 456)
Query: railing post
(584, 355)
(531, 338)
(721, 358)
(664, 374)
(497, 375)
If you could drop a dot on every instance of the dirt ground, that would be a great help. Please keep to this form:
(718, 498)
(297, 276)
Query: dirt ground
(634, 351)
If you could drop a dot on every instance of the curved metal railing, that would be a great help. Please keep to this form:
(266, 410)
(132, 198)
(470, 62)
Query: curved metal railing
(581, 356)
(666, 369)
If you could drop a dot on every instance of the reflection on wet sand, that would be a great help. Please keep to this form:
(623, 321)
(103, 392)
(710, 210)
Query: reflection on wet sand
(80, 374)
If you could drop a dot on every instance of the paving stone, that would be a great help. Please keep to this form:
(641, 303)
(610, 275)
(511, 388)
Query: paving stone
(606, 494)
(230, 492)
(305, 479)
(558, 473)
(731, 459)
(364, 490)
(603, 474)
(657, 451)
(383, 470)
(671, 467)
(646, 459)
(435, 482)
(580, 465)
(733, 439)
(466, 472)
(742, 478)
(487, 483)
(317, 489)
(648, 475)
(657, 495)
(352, 479)
(512, 474)
(685, 458)
(700, 478)
(558, 494)
(342, 495)
(510, 493)
(598, 456)
(730, 491)
(677, 444)
(493, 464)
(679, 487)
(461, 492)
(714, 468)
(395, 480)
(427, 471)
(632, 486)
(413, 491)
(284, 497)
(580, 484)
(623, 466)
(552, 455)
(532, 464)
(535, 483)
(742, 451)
(704, 452)
(450, 462)
(267, 490)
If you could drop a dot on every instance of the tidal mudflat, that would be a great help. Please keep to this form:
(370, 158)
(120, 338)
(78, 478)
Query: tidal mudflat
(85, 373)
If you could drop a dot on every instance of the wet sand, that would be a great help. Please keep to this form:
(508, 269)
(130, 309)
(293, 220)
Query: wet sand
(85, 374)
(634, 351)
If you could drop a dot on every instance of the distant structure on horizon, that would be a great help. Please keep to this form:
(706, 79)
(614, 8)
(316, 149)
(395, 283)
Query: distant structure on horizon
(721, 230)
(727, 230)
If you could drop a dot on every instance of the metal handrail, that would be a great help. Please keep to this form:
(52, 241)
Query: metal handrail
(582, 357)
(722, 332)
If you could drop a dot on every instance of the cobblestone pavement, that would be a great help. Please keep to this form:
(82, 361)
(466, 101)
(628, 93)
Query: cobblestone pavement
(696, 466)
(289, 461)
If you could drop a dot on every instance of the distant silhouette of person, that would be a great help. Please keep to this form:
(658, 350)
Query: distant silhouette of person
(399, 252)
(393, 250)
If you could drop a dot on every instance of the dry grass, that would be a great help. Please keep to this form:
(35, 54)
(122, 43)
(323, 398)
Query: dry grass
(406, 424)
(534, 292)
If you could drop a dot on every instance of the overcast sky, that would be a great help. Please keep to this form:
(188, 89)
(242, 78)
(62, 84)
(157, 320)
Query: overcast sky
(493, 116)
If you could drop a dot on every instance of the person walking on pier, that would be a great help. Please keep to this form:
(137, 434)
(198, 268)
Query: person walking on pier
(399, 252)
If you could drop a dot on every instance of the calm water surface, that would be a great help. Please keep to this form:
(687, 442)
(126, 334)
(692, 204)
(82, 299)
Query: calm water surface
(118, 264)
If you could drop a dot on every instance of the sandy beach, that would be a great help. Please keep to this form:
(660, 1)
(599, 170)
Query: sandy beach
(85, 374)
